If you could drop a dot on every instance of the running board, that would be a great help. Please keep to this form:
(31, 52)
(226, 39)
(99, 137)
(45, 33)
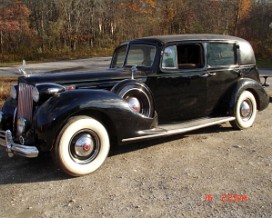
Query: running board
(178, 128)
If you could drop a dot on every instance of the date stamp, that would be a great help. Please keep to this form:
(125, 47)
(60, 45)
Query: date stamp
(227, 198)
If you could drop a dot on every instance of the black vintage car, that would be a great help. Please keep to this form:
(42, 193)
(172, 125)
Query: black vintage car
(155, 86)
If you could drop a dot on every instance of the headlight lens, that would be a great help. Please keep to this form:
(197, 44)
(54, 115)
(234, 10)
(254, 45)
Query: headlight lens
(13, 92)
(35, 94)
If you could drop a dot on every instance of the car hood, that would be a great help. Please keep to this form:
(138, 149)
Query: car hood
(79, 77)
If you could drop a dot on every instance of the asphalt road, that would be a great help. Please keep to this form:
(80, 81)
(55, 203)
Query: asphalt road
(58, 66)
(66, 65)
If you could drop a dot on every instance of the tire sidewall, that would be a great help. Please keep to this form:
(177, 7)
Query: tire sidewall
(63, 146)
(241, 124)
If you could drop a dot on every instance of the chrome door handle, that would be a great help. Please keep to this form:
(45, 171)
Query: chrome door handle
(208, 74)
(212, 73)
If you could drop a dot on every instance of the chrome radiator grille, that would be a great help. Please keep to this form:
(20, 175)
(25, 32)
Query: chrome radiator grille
(25, 102)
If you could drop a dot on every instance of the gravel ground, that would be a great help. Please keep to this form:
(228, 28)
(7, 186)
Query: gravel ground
(172, 177)
(213, 172)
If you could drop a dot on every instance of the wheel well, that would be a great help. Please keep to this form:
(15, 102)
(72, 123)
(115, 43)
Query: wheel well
(105, 120)
(256, 97)
(102, 118)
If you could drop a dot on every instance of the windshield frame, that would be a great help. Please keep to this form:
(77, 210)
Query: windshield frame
(128, 46)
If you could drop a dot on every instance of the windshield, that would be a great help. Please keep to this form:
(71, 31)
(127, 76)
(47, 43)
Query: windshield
(137, 54)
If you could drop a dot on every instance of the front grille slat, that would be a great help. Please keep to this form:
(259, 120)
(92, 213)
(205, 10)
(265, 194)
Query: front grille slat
(25, 102)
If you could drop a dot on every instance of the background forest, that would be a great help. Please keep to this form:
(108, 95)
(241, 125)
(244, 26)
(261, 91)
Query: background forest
(49, 29)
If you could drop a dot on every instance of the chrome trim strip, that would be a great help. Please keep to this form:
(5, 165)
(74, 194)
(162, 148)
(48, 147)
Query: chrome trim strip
(14, 148)
(164, 132)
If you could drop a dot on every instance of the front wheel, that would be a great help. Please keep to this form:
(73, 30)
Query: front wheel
(245, 111)
(82, 146)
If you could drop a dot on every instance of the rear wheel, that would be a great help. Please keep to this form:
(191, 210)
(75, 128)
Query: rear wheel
(83, 146)
(245, 111)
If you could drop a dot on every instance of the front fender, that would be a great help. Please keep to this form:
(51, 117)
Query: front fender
(9, 111)
(54, 113)
(255, 88)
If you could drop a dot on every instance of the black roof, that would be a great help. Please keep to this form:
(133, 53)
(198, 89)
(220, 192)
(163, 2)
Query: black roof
(191, 37)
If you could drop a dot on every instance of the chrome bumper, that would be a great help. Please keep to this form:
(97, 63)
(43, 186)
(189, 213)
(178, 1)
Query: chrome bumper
(14, 148)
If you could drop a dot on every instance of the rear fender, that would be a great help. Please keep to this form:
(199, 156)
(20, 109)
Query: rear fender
(255, 88)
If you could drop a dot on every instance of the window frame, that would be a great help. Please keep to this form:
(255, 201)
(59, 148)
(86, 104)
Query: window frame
(144, 44)
(196, 69)
(235, 53)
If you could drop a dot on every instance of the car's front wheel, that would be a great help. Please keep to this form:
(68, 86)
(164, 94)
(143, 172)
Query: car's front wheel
(245, 111)
(82, 146)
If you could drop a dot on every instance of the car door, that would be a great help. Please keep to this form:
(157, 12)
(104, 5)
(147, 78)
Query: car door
(179, 88)
(222, 73)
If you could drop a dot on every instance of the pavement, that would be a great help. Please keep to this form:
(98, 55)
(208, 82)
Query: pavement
(57, 66)
(265, 72)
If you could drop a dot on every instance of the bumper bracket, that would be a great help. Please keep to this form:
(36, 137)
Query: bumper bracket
(14, 148)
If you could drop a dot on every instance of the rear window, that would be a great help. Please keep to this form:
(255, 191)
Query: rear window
(220, 54)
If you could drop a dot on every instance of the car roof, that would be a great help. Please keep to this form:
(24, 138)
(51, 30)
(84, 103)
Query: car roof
(190, 37)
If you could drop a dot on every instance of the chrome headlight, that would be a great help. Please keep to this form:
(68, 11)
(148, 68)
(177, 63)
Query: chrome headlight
(35, 94)
(13, 92)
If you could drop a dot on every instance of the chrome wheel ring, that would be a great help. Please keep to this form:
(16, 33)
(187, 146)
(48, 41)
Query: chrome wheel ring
(84, 147)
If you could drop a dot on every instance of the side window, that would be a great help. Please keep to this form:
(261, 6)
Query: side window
(169, 59)
(220, 54)
(183, 56)
(190, 56)
(119, 57)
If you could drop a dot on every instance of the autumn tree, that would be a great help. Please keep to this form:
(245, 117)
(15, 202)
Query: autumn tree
(14, 24)
(54, 27)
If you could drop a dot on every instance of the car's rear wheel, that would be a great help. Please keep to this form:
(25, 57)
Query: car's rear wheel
(82, 147)
(245, 111)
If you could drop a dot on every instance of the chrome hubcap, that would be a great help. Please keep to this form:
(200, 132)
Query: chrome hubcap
(246, 110)
(134, 103)
(84, 145)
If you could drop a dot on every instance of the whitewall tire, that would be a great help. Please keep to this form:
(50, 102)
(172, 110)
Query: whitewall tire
(82, 147)
(245, 111)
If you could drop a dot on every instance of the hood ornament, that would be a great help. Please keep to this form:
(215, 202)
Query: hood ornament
(22, 68)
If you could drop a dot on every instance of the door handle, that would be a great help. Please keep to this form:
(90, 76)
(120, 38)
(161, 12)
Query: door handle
(212, 73)
(204, 75)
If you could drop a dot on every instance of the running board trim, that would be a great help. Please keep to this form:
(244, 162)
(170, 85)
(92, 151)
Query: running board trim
(167, 130)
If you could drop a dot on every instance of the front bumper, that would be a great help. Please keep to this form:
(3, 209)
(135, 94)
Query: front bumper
(14, 148)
